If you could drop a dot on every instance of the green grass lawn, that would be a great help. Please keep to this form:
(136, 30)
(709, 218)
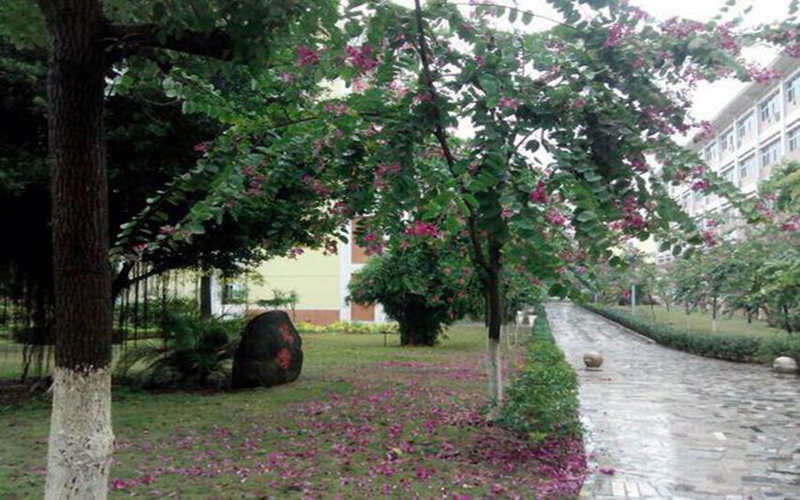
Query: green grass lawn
(700, 321)
(363, 421)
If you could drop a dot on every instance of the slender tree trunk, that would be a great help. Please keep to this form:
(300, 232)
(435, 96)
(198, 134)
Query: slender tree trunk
(714, 314)
(205, 296)
(81, 439)
(494, 316)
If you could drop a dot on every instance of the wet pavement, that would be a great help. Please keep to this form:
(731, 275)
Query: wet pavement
(666, 424)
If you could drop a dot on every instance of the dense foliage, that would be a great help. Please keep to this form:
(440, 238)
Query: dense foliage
(424, 288)
(542, 400)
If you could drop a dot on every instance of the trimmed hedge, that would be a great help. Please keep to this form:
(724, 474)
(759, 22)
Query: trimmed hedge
(542, 401)
(730, 347)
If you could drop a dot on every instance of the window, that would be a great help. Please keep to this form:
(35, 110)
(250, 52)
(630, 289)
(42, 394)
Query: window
(726, 144)
(793, 89)
(747, 168)
(745, 127)
(770, 153)
(710, 153)
(794, 139)
(728, 174)
(770, 109)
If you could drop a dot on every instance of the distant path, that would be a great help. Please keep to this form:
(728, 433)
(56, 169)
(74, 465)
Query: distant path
(674, 425)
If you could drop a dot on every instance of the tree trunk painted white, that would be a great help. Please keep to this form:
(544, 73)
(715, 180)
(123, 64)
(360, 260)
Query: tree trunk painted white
(81, 439)
(494, 367)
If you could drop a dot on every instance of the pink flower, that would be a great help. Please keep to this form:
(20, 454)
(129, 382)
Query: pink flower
(201, 147)
(556, 218)
(362, 58)
(295, 253)
(639, 166)
(505, 213)
(287, 77)
(699, 185)
(578, 104)
(762, 75)
(168, 230)
(419, 228)
(538, 195)
(118, 484)
(508, 103)
(305, 56)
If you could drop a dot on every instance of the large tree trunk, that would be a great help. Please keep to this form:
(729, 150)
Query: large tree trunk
(81, 439)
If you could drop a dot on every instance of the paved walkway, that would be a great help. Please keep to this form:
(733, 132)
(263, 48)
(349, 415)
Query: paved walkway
(674, 425)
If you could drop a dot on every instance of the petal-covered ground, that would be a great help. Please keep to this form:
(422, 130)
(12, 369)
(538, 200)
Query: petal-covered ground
(365, 421)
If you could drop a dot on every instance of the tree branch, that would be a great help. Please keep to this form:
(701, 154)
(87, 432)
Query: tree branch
(125, 40)
(441, 135)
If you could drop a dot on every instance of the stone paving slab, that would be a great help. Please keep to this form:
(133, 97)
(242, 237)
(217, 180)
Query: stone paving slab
(677, 426)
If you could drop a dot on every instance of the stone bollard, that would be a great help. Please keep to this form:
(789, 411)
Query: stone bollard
(593, 360)
(784, 364)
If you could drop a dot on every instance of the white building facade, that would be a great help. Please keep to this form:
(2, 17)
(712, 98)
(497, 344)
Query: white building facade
(757, 130)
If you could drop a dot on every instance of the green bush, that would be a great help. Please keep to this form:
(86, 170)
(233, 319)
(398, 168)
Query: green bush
(740, 348)
(191, 354)
(425, 288)
(347, 327)
(542, 400)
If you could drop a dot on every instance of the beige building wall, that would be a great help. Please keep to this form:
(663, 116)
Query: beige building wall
(313, 276)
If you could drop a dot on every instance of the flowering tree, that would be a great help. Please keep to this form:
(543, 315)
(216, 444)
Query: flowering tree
(89, 38)
(532, 144)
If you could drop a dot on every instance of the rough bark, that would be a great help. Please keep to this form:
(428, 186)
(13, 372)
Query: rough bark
(80, 435)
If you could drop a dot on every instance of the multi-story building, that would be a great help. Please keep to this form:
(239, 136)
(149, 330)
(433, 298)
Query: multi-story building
(319, 281)
(754, 132)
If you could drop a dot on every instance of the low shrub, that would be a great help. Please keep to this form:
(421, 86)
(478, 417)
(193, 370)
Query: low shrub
(192, 353)
(730, 347)
(347, 327)
(542, 400)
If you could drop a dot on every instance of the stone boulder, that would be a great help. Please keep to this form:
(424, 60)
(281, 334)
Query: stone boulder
(269, 352)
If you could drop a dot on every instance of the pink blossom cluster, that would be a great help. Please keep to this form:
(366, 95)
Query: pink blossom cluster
(383, 169)
(201, 147)
(538, 195)
(255, 181)
(631, 214)
(295, 253)
(419, 228)
(317, 186)
(707, 130)
(638, 166)
(617, 33)
(167, 230)
(680, 28)
(556, 218)
(508, 103)
(699, 185)
(336, 109)
(361, 58)
(709, 239)
(760, 74)
(305, 55)
(726, 39)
